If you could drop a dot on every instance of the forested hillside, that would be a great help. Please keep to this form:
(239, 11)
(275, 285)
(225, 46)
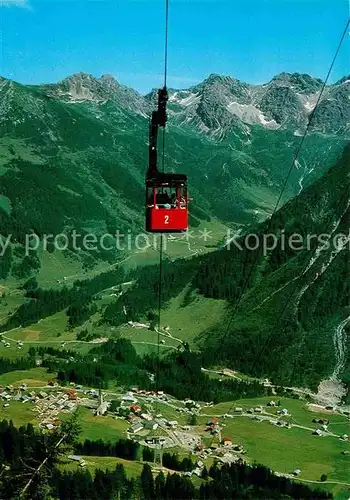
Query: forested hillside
(293, 300)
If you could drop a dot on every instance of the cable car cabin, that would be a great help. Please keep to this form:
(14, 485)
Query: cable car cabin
(166, 203)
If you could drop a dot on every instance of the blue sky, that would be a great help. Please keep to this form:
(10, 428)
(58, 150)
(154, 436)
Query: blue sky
(252, 40)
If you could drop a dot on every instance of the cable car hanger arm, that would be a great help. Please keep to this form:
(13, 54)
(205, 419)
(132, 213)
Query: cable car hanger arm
(158, 119)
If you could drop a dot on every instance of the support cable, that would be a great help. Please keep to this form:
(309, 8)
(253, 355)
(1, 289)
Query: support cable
(161, 234)
(293, 163)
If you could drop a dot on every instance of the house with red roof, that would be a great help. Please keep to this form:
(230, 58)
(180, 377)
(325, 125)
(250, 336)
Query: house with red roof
(135, 408)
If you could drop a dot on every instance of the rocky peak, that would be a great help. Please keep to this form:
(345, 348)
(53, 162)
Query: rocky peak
(302, 83)
(87, 88)
(345, 79)
(109, 79)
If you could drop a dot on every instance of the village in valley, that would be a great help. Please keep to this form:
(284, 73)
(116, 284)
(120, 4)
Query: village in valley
(158, 421)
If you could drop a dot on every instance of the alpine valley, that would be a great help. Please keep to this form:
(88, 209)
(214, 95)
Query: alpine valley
(240, 325)
(73, 157)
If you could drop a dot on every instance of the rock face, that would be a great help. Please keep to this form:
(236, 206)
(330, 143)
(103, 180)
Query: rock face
(287, 101)
(333, 113)
(84, 87)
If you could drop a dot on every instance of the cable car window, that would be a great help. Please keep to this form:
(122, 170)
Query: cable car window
(166, 197)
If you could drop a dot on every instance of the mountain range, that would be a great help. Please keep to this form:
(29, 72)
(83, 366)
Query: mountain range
(74, 154)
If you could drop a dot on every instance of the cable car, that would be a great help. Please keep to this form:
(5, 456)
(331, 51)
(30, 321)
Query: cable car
(166, 193)
(166, 210)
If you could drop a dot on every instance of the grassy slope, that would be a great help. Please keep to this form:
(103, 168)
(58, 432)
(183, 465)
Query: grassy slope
(20, 413)
(285, 449)
(132, 469)
(36, 377)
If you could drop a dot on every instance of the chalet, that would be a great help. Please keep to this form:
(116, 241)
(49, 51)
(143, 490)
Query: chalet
(258, 409)
(146, 416)
(296, 472)
(271, 403)
(173, 423)
(129, 397)
(75, 458)
(155, 440)
(136, 428)
(317, 432)
(213, 421)
(324, 421)
(135, 408)
(227, 441)
(72, 395)
(238, 447)
(151, 425)
(228, 458)
(189, 403)
(283, 412)
(200, 446)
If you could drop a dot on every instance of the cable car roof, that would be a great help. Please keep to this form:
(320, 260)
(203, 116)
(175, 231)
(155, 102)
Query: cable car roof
(166, 179)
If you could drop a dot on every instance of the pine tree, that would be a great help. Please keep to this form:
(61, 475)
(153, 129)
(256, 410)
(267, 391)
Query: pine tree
(147, 482)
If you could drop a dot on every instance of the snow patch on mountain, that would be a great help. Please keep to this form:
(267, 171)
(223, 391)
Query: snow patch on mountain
(249, 113)
(309, 101)
(192, 98)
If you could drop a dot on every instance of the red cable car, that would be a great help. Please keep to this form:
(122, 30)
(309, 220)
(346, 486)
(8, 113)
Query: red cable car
(166, 210)
(166, 193)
